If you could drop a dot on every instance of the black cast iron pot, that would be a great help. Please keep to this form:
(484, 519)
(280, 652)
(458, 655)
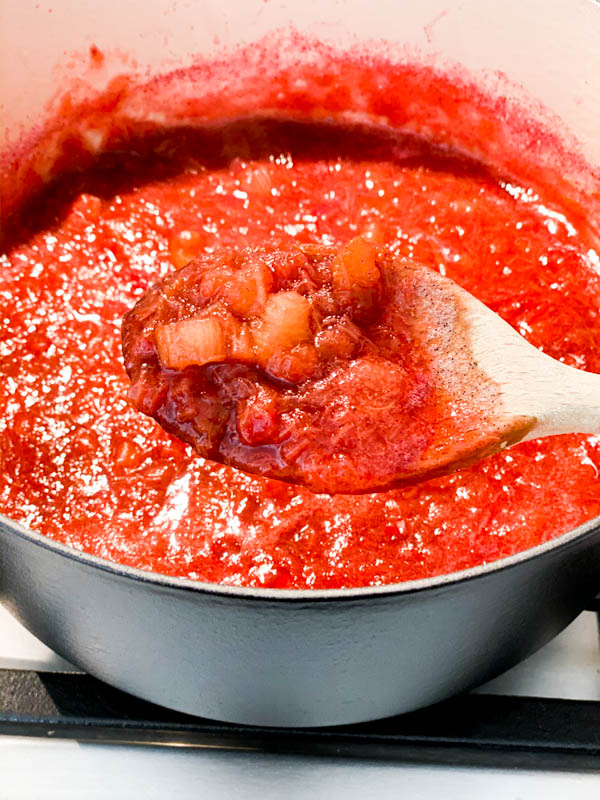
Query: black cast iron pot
(301, 658)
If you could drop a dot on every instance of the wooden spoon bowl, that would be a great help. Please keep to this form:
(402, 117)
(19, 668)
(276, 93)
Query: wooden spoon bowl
(341, 369)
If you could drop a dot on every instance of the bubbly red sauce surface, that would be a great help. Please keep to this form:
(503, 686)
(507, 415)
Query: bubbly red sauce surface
(79, 464)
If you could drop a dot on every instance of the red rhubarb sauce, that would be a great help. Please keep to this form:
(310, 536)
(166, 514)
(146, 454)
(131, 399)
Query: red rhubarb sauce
(312, 364)
(80, 464)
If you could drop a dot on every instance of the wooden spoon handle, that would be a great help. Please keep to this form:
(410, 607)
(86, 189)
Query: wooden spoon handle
(533, 385)
(570, 402)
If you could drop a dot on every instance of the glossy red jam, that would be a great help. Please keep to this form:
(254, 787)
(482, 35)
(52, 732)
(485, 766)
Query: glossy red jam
(80, 464)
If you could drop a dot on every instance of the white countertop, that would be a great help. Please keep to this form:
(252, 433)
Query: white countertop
(42, 770)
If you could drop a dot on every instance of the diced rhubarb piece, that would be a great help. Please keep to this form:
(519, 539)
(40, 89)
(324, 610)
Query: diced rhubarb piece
(355, 268)
(341, 340)
(195, 341)
(247, 292)
(239, 339)
(185, 246)
(287, 264)
(213, 283)
(295, 365)
(284, 324)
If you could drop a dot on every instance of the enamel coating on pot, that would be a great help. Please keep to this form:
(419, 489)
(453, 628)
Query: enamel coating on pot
(294, 658)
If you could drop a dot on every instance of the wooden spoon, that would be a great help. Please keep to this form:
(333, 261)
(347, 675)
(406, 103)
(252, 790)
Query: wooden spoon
(521, 392)
(554, 397)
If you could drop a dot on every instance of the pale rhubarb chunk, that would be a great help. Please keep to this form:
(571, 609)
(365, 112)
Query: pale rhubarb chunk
(247, 292)
(191, 342)
(354, 268)
(240, 342)
(284, 324)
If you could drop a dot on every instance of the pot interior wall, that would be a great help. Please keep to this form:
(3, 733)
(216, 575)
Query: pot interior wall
(549, 48)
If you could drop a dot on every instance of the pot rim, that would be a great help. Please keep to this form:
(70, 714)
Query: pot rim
(306, 596)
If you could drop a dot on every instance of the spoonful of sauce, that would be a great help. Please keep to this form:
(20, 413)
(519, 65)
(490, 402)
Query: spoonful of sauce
(342, 369)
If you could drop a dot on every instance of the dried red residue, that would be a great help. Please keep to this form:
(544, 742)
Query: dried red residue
(96, 56)
(309, 77)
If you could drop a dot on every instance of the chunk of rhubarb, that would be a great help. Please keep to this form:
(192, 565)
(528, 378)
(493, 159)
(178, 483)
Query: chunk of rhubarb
(284, 324)
(247, 292)
(354, 268)
(191, 342)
